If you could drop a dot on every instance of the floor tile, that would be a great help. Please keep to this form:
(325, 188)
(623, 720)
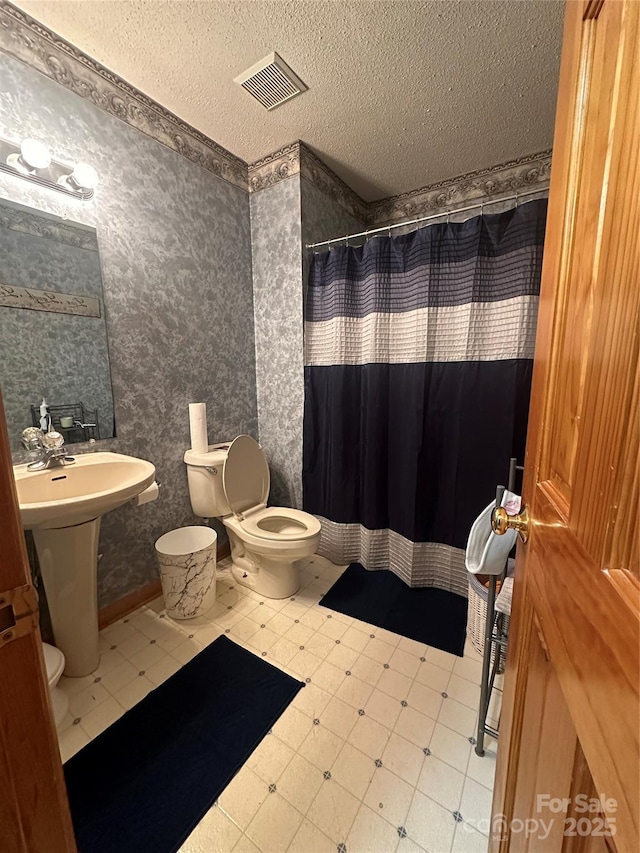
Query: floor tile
(71, 740)
(475, 805)
(430, 825)
(300, 783)
(441, 782)
(367, 669)
(245, 845)
(458, 717)
(134, 691)
(339, 717)
(100, 718)
(378, 650)
(353, 770)
(468, 840)
(299, 634)
(468, 668)
(312, 700)
(342, 657)
(146, 657)
(134, 644)
(215, 833)
(451, 747)
(355, 639)
(333, 811)
(442, 659)
(433, 676)
(369, 737)
(403, 758)
(275, 824)
(389, 796)
(80, 704)
(304, 663)
(186, 651)
(328, 676)
(414, 726)
(383, 708)
(404, 662)
(283, 651)
(395, 684)
(464, 691)
(483, 768)
(370, 832)
(163, 669)
(321, 747)
(243, 796)
(354, 692)
(333, 629)
(292, 727)
(412, 646)
(270, 758)
(309, 839)
(425, 700)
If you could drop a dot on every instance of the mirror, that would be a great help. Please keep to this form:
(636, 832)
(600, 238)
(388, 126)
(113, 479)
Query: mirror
(53, 334)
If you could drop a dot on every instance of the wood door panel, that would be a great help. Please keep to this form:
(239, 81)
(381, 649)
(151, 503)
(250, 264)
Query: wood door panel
(578, 576)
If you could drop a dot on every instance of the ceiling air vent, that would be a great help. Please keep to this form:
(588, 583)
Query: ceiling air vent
(271, 82)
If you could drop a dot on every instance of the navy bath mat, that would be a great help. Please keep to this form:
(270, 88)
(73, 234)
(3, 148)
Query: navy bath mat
(428, 615)
(145, 782)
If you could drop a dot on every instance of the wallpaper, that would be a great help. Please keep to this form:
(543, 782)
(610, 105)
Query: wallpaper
(175, 249)
(284, 217)
(62, 357)
(277, 292)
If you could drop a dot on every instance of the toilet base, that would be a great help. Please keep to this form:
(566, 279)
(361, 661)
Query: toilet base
(272, 579)
(59, 704)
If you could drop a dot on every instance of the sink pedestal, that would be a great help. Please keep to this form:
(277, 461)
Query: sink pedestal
(68, 558)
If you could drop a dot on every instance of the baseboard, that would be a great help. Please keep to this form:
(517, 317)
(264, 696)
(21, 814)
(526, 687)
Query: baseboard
(130, 602)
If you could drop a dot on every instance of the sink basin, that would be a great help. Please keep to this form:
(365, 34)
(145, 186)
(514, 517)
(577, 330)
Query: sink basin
(63, 507)
(73, 494)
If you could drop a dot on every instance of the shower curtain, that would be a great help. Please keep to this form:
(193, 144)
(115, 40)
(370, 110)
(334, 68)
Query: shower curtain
(418, 360)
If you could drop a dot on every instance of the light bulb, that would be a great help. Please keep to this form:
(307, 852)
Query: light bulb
(35, 153)
(85, 176)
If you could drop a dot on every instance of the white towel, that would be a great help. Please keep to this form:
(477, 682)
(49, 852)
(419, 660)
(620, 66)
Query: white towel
(486, 551)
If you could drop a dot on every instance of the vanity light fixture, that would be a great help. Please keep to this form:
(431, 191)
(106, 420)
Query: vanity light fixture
(32, 160)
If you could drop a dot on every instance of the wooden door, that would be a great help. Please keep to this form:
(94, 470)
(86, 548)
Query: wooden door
(34, 813)
(571, 721)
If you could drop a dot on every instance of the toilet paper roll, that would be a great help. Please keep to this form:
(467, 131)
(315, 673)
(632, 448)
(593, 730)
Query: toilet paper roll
(149, 494)
(198, 427)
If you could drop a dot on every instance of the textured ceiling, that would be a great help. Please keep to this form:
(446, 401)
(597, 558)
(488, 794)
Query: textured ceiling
(401, 94)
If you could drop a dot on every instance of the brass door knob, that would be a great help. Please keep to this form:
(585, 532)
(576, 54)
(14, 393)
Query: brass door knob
(501, 522)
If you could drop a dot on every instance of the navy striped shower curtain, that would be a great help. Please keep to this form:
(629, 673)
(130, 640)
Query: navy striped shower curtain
(418, 360)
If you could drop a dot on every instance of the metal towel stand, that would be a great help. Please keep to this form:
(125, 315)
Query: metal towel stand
(495, 633)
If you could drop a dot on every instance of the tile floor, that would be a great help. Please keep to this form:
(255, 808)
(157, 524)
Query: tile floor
(375, 755)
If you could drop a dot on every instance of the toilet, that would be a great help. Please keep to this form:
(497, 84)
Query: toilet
(231, 482)
(54, 663)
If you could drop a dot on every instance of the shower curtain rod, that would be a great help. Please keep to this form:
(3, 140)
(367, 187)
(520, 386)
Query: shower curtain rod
(372, 231)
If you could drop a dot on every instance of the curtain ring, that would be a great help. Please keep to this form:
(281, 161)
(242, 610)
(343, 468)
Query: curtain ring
(389, 231)
(346, 242)
(517, 200)
(448, 217)
(482, 208)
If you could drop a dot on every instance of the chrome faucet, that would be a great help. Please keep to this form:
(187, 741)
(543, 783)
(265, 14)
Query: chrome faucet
(47, 448)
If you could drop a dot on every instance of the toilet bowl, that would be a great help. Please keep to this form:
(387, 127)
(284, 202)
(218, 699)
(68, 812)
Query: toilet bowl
(231, 482)
(54, 663)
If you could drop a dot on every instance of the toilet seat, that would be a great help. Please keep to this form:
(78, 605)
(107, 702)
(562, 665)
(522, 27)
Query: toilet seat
(281, 523)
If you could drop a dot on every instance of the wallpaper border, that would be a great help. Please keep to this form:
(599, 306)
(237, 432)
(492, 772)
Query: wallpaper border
(505, 179)
(28, 41)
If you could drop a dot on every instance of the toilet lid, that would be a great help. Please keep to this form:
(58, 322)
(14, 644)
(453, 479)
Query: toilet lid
(245, 475)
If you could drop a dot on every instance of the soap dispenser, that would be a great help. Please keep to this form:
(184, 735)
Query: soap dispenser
(45, 417)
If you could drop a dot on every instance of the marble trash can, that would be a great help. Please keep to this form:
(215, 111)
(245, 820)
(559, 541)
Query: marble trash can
(187, 563)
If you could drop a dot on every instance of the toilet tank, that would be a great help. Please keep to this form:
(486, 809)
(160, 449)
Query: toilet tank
(204, 475)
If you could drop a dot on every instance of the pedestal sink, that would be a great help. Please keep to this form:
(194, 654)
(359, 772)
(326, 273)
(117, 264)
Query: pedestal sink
(63, 507)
